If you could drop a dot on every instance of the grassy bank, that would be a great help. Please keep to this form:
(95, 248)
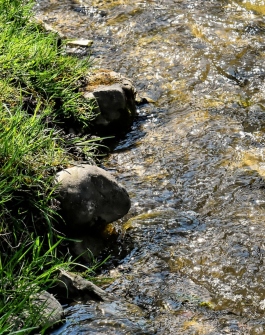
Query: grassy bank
(38, 96)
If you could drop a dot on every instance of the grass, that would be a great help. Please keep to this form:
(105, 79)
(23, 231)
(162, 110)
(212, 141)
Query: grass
(24, 276)
(38, 97)
(29, 155)
(32, 65)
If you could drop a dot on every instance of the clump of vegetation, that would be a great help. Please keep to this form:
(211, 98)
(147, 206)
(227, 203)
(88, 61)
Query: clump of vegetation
(22, 278)
(38, 94)
(33, 69)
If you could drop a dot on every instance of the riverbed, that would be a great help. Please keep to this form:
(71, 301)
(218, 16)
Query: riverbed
(189, 257)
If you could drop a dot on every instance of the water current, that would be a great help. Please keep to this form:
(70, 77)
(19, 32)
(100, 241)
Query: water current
(190, 255)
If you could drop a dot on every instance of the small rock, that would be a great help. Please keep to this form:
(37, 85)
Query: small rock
(90, 197)
(80, 43)
(139, 100)
(103, 13)
(147, 99)
(47, 27)
(114, 100)
(76, 288)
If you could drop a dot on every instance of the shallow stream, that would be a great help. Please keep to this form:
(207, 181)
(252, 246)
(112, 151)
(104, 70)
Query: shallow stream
(190, 256)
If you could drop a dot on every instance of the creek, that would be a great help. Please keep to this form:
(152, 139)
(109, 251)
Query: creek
(189, 258)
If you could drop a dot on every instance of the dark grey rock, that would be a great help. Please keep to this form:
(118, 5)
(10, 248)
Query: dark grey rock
(114, 101)
(103, 13)
(90, 196)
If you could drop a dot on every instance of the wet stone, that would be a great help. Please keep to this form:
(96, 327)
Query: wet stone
(89, 196)
(113, 97)
(106, 318)
(52, 312)
(80, 43)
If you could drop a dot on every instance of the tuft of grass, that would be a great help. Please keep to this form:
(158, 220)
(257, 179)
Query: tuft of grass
(31, 61)
(22, 279)
(30, 153)
(32, 269)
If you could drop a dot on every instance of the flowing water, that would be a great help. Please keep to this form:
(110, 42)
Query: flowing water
(190, 256)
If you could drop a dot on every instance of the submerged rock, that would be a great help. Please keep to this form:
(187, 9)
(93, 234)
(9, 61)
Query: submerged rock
(47, 27)
(101, 311)
(90, 196)
(114, 100)
(110, 318)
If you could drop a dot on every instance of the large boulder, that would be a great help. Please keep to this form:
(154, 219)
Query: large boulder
(114, 100)
(90, 196)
